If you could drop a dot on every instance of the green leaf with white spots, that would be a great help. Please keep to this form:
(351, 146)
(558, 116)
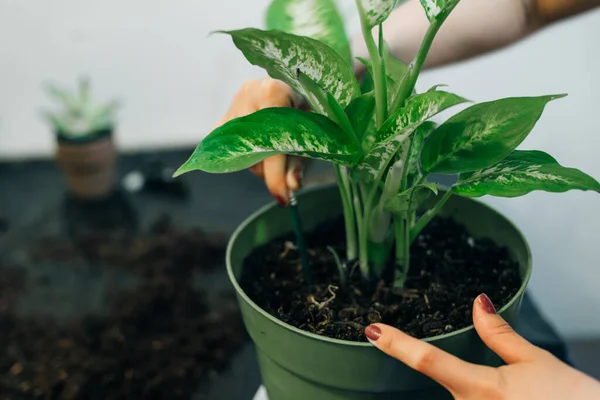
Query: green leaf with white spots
(522, 172)
(283, 55)
(376, 11)
(482, 134)
(393, 133)
(360, 112)
(374, 163)
(418, 108)
(317, 19)
(243, 142)
(436, 9)
(414, 156)
(410, 199)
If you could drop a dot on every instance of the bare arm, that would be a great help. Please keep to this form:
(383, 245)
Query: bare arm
(475, 27)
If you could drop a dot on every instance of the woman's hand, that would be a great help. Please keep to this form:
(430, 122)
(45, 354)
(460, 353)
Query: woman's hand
(531, 373)
(281, 173)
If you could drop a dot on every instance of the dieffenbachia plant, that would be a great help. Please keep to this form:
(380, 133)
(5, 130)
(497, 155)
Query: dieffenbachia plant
(79, 117)
(378, 133)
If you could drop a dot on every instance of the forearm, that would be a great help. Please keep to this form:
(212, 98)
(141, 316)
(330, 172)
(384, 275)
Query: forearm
(475, 27)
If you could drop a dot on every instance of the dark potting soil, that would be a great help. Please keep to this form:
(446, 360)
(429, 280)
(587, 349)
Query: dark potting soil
(161, 339)
(449, 269)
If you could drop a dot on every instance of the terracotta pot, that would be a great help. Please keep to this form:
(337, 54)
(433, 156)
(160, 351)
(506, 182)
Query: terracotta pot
(88, 165)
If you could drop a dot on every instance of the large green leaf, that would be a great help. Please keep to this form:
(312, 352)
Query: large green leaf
(438, 8)
(243, 142)
(522, 172)
(317, 19)
(284, 55)
(482, 134)
(376, 11)
(394, 132)
(360, 112)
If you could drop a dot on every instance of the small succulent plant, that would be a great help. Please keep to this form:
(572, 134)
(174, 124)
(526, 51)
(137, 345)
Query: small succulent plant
(80, 118)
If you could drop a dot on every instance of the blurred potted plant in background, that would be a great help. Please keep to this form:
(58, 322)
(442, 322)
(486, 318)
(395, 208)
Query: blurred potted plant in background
(84, 132)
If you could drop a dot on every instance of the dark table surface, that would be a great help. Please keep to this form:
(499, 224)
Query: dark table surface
(33, 203)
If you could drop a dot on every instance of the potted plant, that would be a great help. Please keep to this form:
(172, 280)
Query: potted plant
(84, 133)
(404, 251)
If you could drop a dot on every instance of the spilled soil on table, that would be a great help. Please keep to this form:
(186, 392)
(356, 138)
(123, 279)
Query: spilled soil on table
(159, 340)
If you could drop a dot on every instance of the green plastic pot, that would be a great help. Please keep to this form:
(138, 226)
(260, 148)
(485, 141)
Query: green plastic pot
(298, 365)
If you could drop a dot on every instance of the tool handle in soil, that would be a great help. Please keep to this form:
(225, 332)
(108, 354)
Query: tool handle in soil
(302, 249)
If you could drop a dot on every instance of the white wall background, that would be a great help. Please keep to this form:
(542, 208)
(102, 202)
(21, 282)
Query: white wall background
(176, 82)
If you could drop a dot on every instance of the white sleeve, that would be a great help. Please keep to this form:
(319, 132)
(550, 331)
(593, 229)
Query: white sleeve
(473, 28)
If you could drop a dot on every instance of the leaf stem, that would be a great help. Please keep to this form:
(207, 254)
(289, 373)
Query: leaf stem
(342, 270)
(379, 77)
(408, 83)
(306, 269)
(349, 219)
(428, 216)
(402, 232)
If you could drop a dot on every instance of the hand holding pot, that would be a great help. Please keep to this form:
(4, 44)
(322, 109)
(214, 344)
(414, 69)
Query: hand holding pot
(531, 373)
(281, 173)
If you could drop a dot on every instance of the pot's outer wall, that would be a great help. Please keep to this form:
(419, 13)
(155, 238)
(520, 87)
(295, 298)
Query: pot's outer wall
(89, 166)
(297, 365)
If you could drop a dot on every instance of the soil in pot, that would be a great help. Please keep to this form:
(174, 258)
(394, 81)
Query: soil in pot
(449, 269)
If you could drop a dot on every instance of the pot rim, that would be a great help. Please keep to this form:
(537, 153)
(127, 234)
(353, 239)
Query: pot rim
(258, 213)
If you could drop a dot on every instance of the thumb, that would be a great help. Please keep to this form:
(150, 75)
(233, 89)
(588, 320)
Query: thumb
(499, 336)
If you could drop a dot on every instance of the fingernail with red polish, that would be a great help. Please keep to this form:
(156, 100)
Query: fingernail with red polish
(373, 332)
(487, 304)
(280, 201)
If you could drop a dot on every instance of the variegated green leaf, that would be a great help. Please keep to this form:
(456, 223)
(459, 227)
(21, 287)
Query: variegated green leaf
(522, 172)
(410, 199)
(360, 112)
(283, 55)
(414, 156)
(418, 108)
(391, 136)
(243, 142)
(372, 165)
(482, 134)
(438, 8)
(317, 19)
(376, 11)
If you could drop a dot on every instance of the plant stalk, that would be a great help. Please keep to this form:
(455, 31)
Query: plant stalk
(402, 232)
(349, 219)
(341, 175)
(428, 216)
(306, 269)
(408, 84)
(379, 78)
